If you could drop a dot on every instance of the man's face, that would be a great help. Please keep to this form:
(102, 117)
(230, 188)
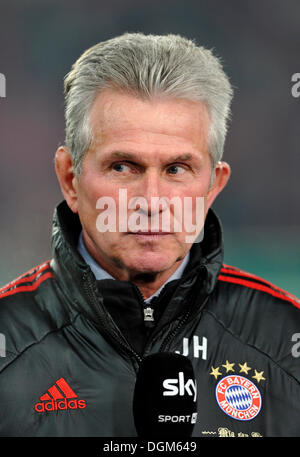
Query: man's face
(150, 149)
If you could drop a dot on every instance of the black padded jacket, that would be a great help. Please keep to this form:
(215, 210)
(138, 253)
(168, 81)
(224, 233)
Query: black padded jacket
(73, 345)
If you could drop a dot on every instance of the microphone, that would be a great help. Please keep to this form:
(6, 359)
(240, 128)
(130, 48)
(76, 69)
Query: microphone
(165, 396)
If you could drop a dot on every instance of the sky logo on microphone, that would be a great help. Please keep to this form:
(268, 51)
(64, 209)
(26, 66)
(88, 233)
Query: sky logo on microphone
(180, 386)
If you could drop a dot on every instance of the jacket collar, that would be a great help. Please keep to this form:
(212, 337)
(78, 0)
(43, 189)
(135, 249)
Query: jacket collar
(73, 272)
(101, 274)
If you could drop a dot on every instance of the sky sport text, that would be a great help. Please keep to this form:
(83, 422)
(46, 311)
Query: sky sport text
(180, 386)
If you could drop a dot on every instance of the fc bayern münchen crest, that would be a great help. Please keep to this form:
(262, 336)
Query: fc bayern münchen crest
(238, 397)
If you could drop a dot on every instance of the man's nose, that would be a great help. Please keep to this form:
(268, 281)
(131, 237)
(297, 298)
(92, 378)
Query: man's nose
(151, 191)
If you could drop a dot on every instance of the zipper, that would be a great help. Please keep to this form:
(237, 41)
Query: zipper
(182, 321)
(148, 319)
(148, 309)
(88, 286)
(174, 331)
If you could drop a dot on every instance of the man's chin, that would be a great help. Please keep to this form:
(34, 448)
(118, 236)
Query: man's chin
(150, 264)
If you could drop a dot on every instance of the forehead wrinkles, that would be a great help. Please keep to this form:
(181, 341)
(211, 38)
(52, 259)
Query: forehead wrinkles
(128, 119)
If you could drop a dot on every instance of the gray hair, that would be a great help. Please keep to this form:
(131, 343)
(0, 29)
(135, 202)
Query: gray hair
(146, 66)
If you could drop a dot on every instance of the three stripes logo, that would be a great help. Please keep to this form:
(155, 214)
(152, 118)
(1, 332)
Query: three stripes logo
(59, 397)
(28, 282)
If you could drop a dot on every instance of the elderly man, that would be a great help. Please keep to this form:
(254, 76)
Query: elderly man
(146, 120)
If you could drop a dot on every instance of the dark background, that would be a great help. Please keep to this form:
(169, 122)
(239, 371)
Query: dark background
(259, 42)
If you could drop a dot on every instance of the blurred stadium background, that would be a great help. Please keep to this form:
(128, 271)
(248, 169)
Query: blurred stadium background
(259, 42)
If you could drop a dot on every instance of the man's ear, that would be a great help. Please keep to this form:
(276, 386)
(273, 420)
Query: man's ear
(220, 179)
(65, 175)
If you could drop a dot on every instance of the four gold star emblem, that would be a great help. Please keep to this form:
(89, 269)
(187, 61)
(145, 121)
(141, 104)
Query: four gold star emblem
(244, 368)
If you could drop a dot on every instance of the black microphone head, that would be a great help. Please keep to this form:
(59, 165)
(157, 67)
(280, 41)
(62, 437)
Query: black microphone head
(165, 396)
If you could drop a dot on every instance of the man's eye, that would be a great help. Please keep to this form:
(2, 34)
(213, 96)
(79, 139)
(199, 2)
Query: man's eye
(176, 170)
(121, 167)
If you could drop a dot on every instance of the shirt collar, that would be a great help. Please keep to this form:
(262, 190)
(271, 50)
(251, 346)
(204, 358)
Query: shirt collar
(100, 273)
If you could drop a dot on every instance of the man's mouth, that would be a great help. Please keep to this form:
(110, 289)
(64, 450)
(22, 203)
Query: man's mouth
(151, 235)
